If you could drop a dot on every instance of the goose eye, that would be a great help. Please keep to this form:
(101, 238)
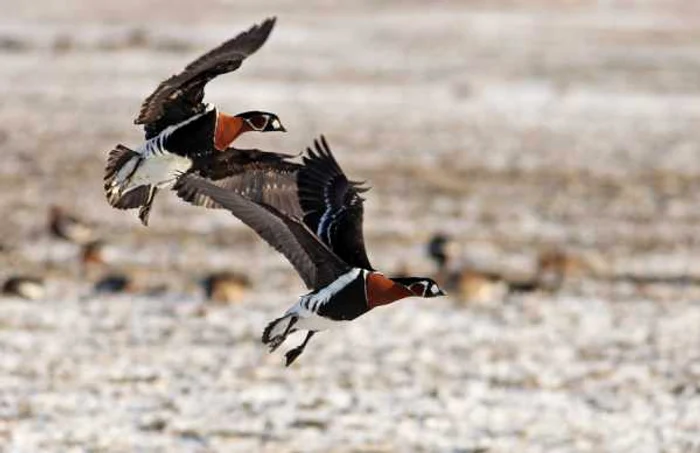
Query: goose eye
(258, 122)
(417, 288)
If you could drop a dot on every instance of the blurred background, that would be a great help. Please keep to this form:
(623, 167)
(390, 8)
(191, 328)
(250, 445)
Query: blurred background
(538, 158)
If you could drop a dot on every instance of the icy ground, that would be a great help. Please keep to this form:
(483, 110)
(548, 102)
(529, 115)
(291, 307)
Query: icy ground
(562, 374)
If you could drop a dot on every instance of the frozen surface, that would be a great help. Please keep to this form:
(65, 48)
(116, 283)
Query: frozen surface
(514, 126)
(561, 374)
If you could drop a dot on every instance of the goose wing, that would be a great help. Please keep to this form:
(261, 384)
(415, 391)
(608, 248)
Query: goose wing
(261, 176)
(180, 96)
(315, 263)
(332, 205)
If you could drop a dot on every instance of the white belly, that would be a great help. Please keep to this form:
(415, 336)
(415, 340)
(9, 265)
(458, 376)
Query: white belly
(315, 322)
(161, 170)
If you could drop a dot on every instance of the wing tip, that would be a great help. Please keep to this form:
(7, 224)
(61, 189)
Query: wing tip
(261, 31)
(319, 158)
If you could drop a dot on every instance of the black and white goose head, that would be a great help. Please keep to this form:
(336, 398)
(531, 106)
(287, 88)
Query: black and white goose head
(421, 286)
(258, 121)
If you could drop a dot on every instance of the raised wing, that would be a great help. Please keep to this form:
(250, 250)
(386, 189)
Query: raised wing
(261, 176)
(180, 96)
(332, 205)
(314, 262)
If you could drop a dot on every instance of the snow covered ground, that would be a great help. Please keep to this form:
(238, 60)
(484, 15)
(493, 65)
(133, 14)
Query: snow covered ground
(514, 126)
(145, 374)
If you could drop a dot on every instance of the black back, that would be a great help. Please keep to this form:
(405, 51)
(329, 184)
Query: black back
(194, 139)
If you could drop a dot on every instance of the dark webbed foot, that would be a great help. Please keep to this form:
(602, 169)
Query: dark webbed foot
(292, 354)
(275, 342)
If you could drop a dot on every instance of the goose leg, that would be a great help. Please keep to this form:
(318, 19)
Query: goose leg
(145, 210)
(292, 354)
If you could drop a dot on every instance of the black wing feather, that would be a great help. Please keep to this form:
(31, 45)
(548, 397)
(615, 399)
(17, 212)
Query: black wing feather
(332, 205)
(180, 96)
(315, 263)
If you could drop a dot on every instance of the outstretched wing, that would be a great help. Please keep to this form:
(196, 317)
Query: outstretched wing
(314, 262)
(180, 96)
(261, 176)
(332, 205)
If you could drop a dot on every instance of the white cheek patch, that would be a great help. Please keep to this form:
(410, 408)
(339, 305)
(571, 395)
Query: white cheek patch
(276, 124)
(434, 289)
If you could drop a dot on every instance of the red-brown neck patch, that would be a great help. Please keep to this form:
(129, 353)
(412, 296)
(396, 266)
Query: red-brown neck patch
(382, 291)
(228, 128)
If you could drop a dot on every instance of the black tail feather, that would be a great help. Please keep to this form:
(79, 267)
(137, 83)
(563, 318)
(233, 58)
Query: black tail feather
(116, 160)
(134, 198)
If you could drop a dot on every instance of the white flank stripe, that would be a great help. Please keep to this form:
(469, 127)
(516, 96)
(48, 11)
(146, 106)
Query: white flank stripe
(326, 293)
(308, 319)
(169, 130)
